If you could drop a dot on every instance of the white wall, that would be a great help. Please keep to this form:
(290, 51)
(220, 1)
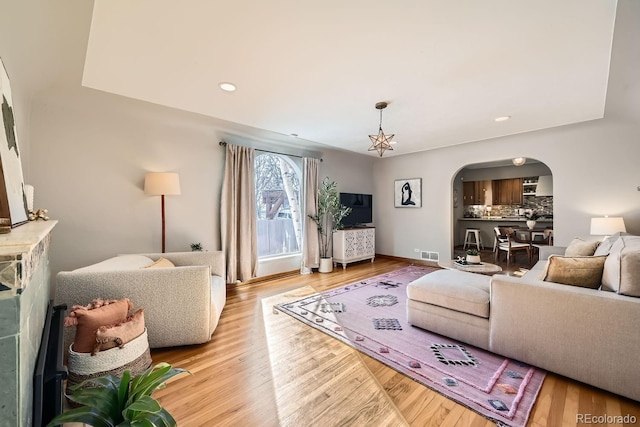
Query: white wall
(93, 150)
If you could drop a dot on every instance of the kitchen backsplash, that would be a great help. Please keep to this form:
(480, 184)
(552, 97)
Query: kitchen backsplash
(542, 205)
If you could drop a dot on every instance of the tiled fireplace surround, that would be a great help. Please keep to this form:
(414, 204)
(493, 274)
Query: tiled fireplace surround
(25, 294)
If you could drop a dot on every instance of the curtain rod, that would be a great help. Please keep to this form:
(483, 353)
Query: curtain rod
(224, 144)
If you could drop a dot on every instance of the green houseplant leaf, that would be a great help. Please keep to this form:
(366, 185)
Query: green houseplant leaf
(329, 215)
(109, 401)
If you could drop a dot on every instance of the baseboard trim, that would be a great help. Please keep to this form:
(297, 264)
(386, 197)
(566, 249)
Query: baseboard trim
(255, 280)
(413, 261)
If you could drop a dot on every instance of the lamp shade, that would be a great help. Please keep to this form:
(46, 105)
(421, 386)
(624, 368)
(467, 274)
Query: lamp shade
(607, 226)
(162, 183)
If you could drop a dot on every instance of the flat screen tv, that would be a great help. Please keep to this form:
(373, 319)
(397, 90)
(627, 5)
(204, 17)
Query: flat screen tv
(361, 209)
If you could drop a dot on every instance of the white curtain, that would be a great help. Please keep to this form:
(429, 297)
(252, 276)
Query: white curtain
(310, 244)
(238, 214)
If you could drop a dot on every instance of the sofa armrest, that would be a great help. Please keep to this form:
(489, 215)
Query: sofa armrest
(176, 301)
(215, 259)
(567, 329)
(547, 251)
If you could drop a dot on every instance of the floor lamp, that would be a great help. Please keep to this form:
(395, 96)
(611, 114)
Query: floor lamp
(162, 184)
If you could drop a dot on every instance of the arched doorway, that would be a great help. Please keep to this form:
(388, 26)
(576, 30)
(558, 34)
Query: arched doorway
(499, 193)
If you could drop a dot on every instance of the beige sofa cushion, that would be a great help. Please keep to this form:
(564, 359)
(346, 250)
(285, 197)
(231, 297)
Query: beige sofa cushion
(580, 247)
(621, 272)
(583, 271)
(453, 289)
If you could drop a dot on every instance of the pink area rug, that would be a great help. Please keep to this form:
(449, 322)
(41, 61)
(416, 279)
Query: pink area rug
(370, 316)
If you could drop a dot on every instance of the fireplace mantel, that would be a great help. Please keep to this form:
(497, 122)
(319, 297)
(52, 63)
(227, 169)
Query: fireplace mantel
(25, 294)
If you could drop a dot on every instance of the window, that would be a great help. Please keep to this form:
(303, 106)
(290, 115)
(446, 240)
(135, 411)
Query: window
(278, 210)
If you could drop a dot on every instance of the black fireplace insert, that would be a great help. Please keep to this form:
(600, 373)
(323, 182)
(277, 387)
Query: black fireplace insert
(50, 372)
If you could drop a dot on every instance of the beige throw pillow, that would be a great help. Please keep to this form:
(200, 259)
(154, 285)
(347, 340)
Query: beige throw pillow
(161, 262)
(579, 247)
(583, 271)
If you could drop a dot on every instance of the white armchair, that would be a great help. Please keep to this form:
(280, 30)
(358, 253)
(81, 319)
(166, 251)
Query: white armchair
(182, 304)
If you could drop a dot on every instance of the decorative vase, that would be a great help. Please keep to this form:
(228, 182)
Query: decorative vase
(531, 224)
(473, 259)
(326, 265)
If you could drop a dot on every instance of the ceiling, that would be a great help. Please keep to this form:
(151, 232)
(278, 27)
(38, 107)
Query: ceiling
(317, 69)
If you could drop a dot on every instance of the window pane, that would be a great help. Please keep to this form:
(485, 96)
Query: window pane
(277, 205)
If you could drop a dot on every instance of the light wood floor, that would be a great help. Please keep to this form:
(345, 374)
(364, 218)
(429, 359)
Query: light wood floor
(268, 369)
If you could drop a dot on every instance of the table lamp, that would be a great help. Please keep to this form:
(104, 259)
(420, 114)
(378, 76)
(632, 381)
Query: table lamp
(607, 226)
(162, 184)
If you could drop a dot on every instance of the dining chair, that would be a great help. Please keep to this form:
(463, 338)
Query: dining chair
(498, 237)
(512, 245)
(546, 241)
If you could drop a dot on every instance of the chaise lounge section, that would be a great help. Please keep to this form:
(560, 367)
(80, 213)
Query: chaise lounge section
(590, 335)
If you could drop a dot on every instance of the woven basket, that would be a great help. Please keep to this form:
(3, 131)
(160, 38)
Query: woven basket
(134, 356)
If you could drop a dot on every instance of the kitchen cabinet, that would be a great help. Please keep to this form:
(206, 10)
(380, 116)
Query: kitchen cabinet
(484, 192)
(468, 193)
(477, 193)
(507, 191)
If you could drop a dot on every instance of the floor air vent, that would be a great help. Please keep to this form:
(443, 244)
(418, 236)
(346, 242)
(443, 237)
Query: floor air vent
(429, 256)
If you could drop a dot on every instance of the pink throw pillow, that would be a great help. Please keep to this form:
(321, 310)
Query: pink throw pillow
(119, 334)
(89, 320)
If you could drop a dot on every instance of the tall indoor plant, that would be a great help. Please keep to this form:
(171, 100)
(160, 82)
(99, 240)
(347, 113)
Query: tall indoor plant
(328, 219)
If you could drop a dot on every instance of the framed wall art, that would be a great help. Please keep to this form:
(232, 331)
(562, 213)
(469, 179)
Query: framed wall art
(408, 193)
(13, 202)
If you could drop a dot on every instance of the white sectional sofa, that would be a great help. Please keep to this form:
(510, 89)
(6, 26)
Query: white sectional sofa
(590, 335)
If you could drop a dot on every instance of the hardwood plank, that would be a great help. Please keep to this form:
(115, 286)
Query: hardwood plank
(266, 369)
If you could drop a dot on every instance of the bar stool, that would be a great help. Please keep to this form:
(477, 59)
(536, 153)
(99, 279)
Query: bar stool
(475, 232)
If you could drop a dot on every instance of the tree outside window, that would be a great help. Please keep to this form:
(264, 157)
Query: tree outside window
(278, 209)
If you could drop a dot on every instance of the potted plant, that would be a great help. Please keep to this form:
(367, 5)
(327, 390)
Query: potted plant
(328, 219)
(473, 256)
(532, 216)
(196, 247)
(126, 401)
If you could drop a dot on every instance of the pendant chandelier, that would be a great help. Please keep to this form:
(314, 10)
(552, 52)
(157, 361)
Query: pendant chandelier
(381, 142)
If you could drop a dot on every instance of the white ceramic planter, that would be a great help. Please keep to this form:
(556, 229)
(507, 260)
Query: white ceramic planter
(531, 224)
(326, 265)
(473, 259)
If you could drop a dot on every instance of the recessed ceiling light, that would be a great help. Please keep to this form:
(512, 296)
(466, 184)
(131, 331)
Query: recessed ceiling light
(227, 87)
(502, 119)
